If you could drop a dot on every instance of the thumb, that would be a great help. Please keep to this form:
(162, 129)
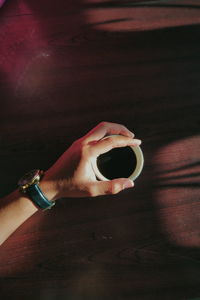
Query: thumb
(111, 186)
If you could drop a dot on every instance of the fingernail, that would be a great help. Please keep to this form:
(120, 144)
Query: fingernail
(128, 184)
(138, 142)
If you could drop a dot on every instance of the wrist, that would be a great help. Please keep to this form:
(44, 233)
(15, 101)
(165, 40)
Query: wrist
(30, 184)
(49, 189)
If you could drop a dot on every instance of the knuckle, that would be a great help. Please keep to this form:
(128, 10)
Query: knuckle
(89, 149)
(91, 191)
(82, 142)
(114, 188)
(84, 150)
(104, 124)
(109, 141)
(80, 147)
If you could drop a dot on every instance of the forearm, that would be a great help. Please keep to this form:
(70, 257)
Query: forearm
(15, 209)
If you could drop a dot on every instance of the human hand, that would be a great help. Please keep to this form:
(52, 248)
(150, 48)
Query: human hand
(72, 175)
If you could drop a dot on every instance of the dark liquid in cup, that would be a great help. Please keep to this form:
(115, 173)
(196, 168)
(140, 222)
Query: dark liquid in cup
(117, 163)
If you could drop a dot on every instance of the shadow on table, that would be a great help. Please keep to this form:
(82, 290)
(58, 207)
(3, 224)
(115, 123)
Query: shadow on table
(141, 243)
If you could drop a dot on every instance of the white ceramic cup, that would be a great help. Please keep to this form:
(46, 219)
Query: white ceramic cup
(137, 169)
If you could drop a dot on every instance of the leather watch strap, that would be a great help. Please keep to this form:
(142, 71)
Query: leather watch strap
(38, 198)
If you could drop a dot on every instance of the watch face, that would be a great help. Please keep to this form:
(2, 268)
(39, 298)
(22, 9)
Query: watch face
(29, 177)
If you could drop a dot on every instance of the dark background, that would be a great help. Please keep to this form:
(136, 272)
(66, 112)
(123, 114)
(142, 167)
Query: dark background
(64, 67)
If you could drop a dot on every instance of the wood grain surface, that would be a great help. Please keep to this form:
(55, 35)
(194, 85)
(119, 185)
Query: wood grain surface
(64, 67)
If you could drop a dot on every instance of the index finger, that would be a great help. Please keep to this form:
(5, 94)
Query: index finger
(111, 142)
(107, 128)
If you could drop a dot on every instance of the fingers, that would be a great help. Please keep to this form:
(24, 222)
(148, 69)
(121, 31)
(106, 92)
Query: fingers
(107, 128)
(111, 142)
(110, 187)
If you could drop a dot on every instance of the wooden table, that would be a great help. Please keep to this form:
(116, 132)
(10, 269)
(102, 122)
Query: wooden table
(66, 66)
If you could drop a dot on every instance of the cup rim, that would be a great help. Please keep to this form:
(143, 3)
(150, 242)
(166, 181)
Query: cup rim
(138, 169)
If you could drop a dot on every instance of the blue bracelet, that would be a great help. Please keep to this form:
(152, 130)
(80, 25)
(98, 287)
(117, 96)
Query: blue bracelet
(38, 198)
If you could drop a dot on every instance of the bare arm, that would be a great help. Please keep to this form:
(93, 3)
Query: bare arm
(71, 176)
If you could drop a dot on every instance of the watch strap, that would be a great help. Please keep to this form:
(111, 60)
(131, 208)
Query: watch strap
(38, 198)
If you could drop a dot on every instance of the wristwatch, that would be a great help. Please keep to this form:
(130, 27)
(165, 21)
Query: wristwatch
(29, 185)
